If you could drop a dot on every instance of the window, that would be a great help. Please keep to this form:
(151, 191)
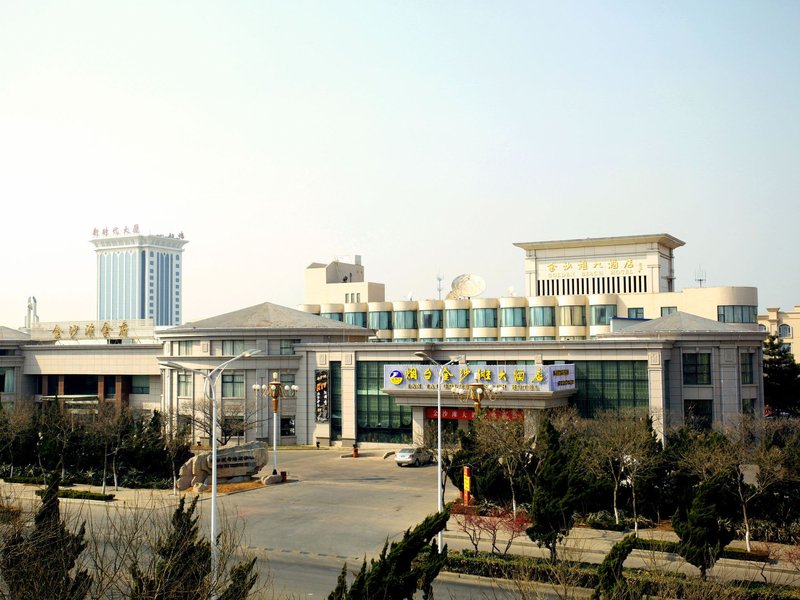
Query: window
(232, 426)
(233, 385)
(601, 314)
(405, 319)
(182, 348)
(636, 313)
(543, 316)
(430, 319)
(512, 317)
(611, 385)
(747, 365)
(380, 319)
(786, 348)
(287, 347)
(543, 338)
(378, 417)
(430, 339)
(484, 339)
(356, 318)
(697, 368)
(512, 339)
(184, 385)
(140, 384)
(784, 331)
(737, 314)
(287, 427)
(572, 316)
(456, 317)
(668, 310)
(232, 347)
(484, 317)
(334, 316)
(457, 339)
(698, 414)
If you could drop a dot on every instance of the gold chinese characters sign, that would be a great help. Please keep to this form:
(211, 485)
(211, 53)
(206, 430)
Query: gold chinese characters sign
(91, 330)
(512, 378)
(594, 268)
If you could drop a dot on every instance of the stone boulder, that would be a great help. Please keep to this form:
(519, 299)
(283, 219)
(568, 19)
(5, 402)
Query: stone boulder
(234, 462)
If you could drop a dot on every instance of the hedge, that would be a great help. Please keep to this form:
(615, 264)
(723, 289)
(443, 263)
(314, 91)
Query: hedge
(81, 495)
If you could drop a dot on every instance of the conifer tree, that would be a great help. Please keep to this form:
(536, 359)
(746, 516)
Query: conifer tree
(40, 564)
(702, 526)
(612, 584)
(408, 566)
(781, 377)
(554, 496)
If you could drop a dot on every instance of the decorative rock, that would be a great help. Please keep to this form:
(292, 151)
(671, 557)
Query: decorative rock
(271, 479)
(238, 461)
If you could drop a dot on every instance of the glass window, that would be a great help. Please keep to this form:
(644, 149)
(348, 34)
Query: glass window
(512, 317)
(668, 310)
(611, 385)
(601, 314)
(380, 319)
(378, 417)
(233, 385)
(405, 319)
(430, 319)
(334, 316)
(184, 385)
(572, 316)
(697, 368)
(513, 339)
(737, 313)
(698, 413)
(457, 317)
(287, 426)
(457, 339)
(140, 384)
(543, 316)
(232, 347)
(430, 339)
(484, 317)
(287, 347)
(484, 339)
(183, 348)
(7, 380)
(356, 318)
(784, 331)
(636, 313)
(542, 338)
(747, 365)
(786, 347)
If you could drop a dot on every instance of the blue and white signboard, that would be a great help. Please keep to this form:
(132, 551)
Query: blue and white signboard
(512, 378)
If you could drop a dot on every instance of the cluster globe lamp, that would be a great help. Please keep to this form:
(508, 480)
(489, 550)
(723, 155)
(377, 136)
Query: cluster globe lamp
(275, 390)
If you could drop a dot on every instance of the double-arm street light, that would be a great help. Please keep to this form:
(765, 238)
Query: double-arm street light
(439, 483)
(275, 390)
(210, 395)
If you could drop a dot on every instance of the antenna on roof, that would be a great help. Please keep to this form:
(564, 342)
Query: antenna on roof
(700, 276)
(439, 278)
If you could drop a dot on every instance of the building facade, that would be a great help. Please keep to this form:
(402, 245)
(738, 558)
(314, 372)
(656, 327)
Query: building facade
(139, 277)
(574, 288)
(782, 324)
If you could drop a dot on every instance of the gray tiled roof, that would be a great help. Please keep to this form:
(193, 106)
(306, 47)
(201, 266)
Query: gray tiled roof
(269, 316)
(6, 333)
(681, 322)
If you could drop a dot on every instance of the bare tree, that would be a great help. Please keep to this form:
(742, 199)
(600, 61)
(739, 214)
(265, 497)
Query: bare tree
(505, 441)
(234, 418)
(15, 419)
(450, 445)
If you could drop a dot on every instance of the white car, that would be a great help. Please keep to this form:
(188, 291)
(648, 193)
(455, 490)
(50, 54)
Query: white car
(413, 456)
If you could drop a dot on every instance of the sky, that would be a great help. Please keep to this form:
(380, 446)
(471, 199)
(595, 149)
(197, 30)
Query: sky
(425, 136)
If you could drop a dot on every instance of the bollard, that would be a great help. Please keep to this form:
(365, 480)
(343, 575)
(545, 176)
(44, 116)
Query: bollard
(355, 451)
(467, 485)
(283, 475)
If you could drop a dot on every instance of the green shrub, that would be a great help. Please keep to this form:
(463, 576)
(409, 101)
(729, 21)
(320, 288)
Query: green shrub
(81, 495)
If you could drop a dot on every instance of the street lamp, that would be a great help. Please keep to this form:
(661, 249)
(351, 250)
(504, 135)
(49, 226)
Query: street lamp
(439, 490)
(275, 390)
(477, 393)
(210, 395)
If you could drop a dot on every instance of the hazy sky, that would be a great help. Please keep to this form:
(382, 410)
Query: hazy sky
(425, 136)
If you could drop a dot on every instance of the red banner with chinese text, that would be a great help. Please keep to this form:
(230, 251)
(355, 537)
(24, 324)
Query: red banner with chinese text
(467, 414)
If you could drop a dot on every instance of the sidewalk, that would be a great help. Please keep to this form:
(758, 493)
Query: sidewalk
(592, 545)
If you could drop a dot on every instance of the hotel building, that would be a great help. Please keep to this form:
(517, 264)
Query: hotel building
(139, 276)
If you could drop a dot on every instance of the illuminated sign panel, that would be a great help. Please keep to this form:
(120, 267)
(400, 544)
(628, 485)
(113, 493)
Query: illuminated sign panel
(512, 378)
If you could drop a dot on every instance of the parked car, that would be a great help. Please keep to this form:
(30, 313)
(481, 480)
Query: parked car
(413, 456)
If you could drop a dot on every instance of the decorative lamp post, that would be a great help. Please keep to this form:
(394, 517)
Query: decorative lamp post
(477, 393)
(210, 395)
(275, 390)
(439, 486)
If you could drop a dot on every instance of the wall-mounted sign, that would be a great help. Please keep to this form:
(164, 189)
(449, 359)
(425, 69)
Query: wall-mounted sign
(512, 378)
(468, 414)
(611, 267)
(321, 414)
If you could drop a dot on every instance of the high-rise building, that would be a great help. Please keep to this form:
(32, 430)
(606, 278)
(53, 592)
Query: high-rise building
(139, 276)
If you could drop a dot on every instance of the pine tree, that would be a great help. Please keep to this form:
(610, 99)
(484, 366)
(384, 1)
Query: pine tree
(702, 526)
(39, 564)
(554, 496)
(402, 569)
(781, 377)
(612, 584)
(183, 567)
